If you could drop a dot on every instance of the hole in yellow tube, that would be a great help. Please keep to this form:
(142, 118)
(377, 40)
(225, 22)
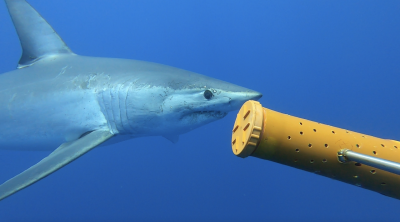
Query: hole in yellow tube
(310, 145)
(236, 127)
(301, 123)
(326, 145)
(324, 161)
(234, 141)
(289, 137)
(315, 130)
(382, 145)
(311, 161)
(333, 132)
(297, 150)
(246, 115)
(373, 171)
(374, 152)
(358, 146)
(247, 126)
(301, 133)
(395, 147)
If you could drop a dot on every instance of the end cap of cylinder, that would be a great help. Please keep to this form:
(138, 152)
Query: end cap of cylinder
(247, 130)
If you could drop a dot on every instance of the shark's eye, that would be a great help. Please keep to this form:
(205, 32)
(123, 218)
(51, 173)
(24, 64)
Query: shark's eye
(208, 94)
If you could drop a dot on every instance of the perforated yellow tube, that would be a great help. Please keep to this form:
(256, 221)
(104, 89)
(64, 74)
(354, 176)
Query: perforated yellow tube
(314, 147)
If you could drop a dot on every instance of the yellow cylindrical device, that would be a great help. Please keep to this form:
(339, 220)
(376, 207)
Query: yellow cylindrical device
(315, 147)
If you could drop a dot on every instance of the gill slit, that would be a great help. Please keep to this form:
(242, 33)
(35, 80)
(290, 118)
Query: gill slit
(112, 110)
(120, 103)
(126, 99)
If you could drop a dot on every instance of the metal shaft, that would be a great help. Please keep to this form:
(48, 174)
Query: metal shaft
(376, 162)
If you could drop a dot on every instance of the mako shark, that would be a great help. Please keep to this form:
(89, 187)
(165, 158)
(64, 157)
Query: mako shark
(56, 98)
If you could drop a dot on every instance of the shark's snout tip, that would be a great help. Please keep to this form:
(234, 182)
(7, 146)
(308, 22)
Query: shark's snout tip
(256, 96)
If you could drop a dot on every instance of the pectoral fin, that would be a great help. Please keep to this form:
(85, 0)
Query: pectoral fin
(63, 155)
(172, 138)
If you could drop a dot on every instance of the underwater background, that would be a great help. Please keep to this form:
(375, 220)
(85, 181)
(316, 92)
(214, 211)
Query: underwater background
(335, 62)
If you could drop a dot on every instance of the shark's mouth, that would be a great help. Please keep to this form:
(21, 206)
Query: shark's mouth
(204, 115)
(215, 114)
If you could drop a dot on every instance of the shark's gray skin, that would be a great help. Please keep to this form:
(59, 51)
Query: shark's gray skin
(59, 99)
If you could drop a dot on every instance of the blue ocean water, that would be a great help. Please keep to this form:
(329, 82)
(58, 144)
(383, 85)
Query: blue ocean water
(335, 62)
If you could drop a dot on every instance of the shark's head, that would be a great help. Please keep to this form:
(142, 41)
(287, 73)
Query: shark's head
(178, 101)
(205, 101)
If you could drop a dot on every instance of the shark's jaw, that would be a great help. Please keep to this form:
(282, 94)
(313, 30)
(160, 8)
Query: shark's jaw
(199, 118)
(205, 114)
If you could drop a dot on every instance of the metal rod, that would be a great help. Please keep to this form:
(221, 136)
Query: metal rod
(379, 163)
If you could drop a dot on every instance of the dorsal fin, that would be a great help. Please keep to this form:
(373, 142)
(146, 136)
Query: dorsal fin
(38, 39)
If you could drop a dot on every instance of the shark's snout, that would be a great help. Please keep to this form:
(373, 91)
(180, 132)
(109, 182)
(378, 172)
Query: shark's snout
(255, 95)
(237, 99)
